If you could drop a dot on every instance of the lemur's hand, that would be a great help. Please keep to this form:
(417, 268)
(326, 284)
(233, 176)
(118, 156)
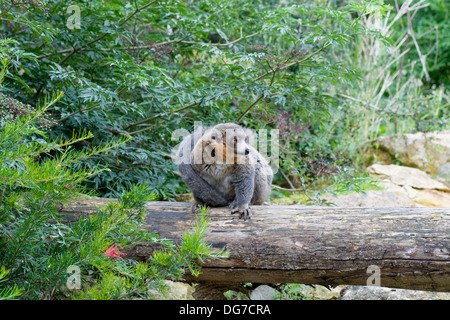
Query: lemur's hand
(244, 211)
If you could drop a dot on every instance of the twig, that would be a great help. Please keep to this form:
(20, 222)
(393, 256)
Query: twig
(290, 190)
(108, 49)
(160, 115)
(358, 100)
(137, 11)
(79, 111)
(251, 106)
(295, 62)
(221, 44)
(274, 71)
(287, 179)
(149, 46)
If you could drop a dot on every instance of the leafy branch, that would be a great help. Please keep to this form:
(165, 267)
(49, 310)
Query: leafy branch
(288, 65)
(87, 44)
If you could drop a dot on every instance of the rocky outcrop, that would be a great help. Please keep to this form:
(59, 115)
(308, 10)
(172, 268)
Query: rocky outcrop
(425, 151)
(263, 292)
(403, 187)
(406, 177)
(414, 166)
(412, 183)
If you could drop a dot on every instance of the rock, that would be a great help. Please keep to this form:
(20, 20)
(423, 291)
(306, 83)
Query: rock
(404, 187)
(412, 183)
(382, 293)
(174, 291)
(429, 198)
(443, 173)
(263, 292)
(404, 176)
(425, 151)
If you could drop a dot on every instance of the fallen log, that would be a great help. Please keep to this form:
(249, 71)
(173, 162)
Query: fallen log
(406, 247)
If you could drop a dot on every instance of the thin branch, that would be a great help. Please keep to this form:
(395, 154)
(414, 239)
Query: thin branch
(221, 44)
(358, 100)
(274, 71)
(44, 150)
(137, 11)
(149, 46)
(290, 190)
(295, 62)
(79, 111)
(291, 185)
(250, 107)
(160, 115)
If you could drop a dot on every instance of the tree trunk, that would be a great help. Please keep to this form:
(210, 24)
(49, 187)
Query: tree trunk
(407, 247)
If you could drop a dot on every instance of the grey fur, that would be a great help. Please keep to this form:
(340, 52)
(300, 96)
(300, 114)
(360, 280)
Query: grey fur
(218, 184)
(203, 193)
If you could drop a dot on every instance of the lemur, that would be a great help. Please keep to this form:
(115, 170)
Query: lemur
(222, 169)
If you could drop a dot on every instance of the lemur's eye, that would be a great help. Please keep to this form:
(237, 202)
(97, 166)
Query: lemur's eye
(213, 137)
(213, 153)
(246, 139)
(234, 139)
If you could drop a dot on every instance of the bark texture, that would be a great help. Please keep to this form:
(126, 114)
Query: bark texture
(312, 245)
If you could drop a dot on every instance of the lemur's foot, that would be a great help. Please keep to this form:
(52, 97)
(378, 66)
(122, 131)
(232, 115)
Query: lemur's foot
(196, 208)
(244, 212)
(232, 205)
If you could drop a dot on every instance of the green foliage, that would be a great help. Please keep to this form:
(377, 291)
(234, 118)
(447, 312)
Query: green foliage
(7, 293)
(128, 279)
(38, 245)
(398, 94)
(432, 32)
(195, 248)
(146, 68)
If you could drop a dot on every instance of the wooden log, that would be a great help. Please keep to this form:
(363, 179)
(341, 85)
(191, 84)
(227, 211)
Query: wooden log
(314, 245)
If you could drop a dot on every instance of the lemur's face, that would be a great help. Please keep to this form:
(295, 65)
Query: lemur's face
(221, 149)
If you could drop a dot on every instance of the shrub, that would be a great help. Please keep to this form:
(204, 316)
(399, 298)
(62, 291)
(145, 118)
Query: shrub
(38, 247)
